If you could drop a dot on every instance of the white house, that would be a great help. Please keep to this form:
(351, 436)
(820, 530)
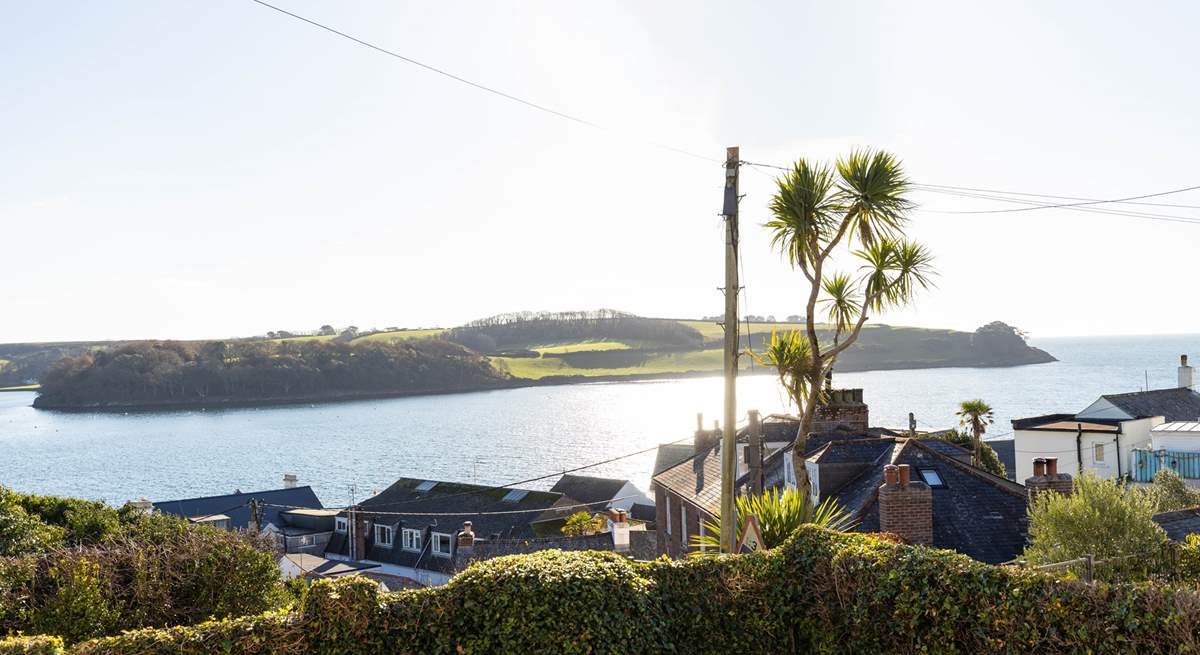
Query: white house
(1103, 436)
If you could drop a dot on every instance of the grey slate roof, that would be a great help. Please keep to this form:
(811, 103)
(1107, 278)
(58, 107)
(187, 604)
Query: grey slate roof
(322, 567)
(1006, 450)
(670, 454)
(461, 502)
(588, 489)
(976, 513)
(1176, 404)
(237, 505)
(1178, 525)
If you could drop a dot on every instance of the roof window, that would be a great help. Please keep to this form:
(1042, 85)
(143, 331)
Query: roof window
(515, 495)
(932, 478)
(427, 485)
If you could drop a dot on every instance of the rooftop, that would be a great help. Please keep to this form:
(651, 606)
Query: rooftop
(237, 505)
(1179, 426)
(1176, 404)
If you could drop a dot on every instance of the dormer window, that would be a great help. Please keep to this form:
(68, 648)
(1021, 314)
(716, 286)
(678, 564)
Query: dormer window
(340, 525)
(383, 536)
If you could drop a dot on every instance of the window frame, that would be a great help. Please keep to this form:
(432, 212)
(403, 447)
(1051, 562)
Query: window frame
(433, 544)
(1098, 453)
(411, 536)
(941, 481)
(387, 530)
(341, 525)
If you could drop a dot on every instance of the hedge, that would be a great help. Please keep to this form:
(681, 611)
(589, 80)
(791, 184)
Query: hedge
(820, 592)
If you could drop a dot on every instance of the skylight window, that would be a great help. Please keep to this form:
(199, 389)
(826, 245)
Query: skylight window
(515, 495)
(932, 478)
(426, 485)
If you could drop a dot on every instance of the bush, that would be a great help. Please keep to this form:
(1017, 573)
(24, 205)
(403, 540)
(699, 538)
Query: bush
(39, 645)
(172, 574)
(1170, 493)
(1100, 517)
(819, 592)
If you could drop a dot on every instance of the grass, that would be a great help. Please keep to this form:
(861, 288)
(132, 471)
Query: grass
(401, 334)
(707, 361)
(590, 345)
(25, 387)
(311, 337)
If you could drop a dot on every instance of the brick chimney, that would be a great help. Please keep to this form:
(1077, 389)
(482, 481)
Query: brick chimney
(358, 525)
(705, 439)
(1047, 478)
(905, 506)
(466, 541)
(1187, 374)
(754, 454)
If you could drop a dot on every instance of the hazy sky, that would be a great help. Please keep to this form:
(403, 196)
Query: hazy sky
(204, 169)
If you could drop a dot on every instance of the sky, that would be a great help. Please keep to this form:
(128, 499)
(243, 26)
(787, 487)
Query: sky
(213, 169)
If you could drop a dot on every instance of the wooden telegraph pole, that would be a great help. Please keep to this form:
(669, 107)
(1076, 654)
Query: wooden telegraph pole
(729, 211)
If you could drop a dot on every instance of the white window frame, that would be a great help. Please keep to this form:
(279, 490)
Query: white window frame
(307, 540)
(384, 536)
(341, 524)
(410, 539)
(683, 533)
(669, 515)
(434, 538)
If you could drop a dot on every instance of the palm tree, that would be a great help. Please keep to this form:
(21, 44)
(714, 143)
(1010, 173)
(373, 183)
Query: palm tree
(976, 415)
(861, 204)
(779, 515)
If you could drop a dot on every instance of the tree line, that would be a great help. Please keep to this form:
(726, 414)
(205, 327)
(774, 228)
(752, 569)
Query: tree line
(165, 372)
(525, 329)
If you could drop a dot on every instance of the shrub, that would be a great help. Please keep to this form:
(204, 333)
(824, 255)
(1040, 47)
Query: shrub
(1170, 493)
(820, 592)
(39, 645)
(1100, 517)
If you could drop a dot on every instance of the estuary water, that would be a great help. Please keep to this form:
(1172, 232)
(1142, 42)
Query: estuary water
(349, 449)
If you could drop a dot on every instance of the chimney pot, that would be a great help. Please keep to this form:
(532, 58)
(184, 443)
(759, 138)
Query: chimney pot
(1051, 466)
(466, 538)
(891, 474)
(1039, 466)
(904, 475)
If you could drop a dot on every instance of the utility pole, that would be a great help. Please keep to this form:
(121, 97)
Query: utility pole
(729, 211)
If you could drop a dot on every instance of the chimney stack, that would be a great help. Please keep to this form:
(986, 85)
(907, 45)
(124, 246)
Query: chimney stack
(754, 454)
(1187, 374)
(620, 530)
(466, 541)
(905, 506)
(1047, 478)
(289, 480)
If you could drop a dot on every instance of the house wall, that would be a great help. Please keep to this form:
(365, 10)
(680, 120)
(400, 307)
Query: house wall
(1183, 442)
(630, 495)
(1030, 444)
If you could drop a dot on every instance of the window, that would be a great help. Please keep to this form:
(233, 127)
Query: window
(1098, 452)
(410, 539)
(932, 478)
(340, 525)
(441, 544)
(514, 496)
(668, 515)
(307, 540)
(427, 485)
(383, 536)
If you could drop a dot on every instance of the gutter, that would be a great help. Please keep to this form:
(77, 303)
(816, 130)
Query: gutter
(1117, 440)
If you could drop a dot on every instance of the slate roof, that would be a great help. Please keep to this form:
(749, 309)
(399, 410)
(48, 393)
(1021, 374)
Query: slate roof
(1177, 404)
(697, 480)
(1006, 450)
(458, 502)
(670, 454)
(975, 513)
(1178, 525)
(237, 505)
(588, 489)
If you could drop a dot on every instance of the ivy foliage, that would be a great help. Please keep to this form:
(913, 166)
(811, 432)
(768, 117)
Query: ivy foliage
(819, 592)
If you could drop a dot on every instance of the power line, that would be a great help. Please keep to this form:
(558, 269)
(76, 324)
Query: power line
(528, 480)
(1055, 197)
(1173, 218)
(1076, 204)
(539, 510)
(477, 85)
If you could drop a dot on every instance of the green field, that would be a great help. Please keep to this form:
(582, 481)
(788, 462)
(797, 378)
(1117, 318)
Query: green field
(401, 334)
(25, 387)
(590, 345)
(698, 361)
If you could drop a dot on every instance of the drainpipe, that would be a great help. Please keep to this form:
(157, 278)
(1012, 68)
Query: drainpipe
(1117, 440)
(1079, 445)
